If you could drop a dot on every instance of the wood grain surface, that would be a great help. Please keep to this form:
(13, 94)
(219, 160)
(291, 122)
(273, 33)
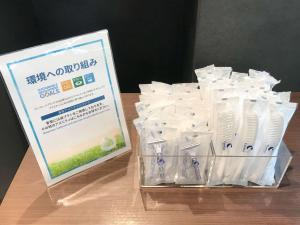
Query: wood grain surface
(109, 194)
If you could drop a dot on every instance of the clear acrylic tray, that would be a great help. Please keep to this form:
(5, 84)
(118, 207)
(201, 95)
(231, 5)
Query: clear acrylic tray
(212, 170)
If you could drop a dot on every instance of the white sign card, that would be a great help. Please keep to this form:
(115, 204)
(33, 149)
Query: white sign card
(67, 97)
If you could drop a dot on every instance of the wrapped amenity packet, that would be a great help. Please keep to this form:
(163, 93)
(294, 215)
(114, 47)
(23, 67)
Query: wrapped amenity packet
(248, 132)
(192, 157)
(158, 150)
(225, 128)
(275, 124)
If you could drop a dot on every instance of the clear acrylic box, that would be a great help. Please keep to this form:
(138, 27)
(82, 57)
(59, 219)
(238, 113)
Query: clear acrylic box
(214, 170)
(194, 171)
(250, 171)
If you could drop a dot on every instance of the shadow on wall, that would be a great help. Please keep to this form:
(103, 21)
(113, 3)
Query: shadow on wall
(151, 40)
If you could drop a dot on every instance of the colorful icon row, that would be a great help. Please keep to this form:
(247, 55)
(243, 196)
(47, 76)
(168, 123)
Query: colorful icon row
(77, 81)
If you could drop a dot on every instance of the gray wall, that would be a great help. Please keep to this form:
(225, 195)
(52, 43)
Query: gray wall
(258, 34)
(18, 31)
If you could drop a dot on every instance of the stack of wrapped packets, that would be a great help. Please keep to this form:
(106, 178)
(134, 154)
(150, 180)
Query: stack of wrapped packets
(236, 113)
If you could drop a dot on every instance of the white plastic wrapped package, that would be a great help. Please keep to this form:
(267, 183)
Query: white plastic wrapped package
(225, 126)
(192, 157)
(159, 148)
(273, 129)
(254, 112)
(263, 76)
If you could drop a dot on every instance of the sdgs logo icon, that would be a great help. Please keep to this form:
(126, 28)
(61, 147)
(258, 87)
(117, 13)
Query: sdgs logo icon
(48, 91)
